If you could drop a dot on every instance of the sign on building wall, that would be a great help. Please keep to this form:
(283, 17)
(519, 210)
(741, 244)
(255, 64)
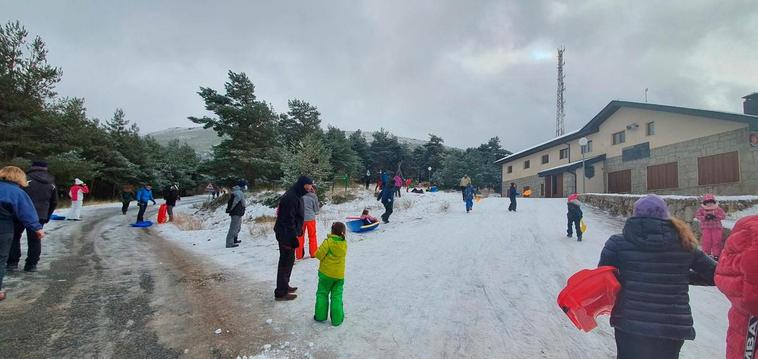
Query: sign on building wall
(754, 139)
(636, 152)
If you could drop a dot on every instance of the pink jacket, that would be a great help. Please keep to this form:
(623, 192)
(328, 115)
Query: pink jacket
(398, 181)
(73, 192)
(702, 212)
(737, 277)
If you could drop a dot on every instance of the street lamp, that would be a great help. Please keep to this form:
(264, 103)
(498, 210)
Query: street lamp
(430, 175)
(582, 147)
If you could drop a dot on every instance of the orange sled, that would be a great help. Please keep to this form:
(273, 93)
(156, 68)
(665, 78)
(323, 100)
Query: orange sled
(163, 213)
(588, 294)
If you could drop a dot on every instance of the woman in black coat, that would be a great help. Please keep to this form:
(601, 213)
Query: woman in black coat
(657, 259)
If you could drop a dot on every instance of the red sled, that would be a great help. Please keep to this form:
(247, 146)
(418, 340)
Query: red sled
(163, 213)
(588, 294)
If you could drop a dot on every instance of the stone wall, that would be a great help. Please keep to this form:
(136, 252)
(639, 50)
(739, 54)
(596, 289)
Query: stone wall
(686, 155)
(531, 181)
(683, 208)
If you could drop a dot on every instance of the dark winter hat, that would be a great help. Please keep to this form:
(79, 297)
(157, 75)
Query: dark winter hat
(304, 180)
(651, 206)
(40, 163)
(242, 183)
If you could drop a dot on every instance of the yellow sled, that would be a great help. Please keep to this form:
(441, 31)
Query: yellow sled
(583, 226)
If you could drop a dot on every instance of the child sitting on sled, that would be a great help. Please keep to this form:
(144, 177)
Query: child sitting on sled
(574, 217)
(367, 219)
(331, 275)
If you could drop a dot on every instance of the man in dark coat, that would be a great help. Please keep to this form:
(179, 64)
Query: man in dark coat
(386, 196)
(289, 226)
(171, 196)
(43, 193)
(512, 193)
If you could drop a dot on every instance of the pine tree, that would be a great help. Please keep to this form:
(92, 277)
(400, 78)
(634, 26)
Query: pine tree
(344, 160)
(248, 128)
(311, 157)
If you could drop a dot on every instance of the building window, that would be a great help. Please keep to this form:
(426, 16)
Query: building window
(545, 159)
(564, 153)
(619, 137)
(723, 168)
(526, 164)
(620, 181)
(663, 176)
(650, 128)
(510, 169)
(588, 147)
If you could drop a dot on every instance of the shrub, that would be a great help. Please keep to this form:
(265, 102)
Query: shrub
(339, 198)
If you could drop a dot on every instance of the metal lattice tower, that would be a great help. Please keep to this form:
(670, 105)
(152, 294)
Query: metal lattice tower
(560, 115)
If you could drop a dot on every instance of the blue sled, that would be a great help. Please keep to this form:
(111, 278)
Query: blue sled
(56, 217)
(142, 224)
(359, 227)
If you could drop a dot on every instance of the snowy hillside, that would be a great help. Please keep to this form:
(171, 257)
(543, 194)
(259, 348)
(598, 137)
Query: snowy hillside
(438, 282)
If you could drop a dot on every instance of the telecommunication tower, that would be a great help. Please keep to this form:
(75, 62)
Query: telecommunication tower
(560, 114)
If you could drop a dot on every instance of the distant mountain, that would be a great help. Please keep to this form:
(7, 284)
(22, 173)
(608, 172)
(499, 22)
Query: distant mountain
(202, 140)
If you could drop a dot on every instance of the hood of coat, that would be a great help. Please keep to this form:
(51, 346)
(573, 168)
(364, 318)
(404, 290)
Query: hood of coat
(299, 186)
(340, 250)
(651, 233)
(40, 175)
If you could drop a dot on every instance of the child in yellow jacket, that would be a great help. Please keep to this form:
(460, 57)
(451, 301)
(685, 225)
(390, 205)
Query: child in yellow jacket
(331, 275)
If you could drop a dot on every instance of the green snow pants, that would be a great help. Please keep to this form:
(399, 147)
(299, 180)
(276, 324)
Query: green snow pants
(327, 285)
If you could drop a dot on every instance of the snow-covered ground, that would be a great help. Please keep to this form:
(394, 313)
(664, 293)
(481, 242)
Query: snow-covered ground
(438, 282)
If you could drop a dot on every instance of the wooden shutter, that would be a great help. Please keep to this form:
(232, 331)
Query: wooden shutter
(663, 176)
(620, 181)
(723, 168)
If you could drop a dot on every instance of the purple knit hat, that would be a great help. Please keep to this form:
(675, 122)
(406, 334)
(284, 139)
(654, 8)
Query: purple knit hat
(651, 206)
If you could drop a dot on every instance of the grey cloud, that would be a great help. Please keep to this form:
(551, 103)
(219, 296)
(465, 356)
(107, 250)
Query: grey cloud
(466, 71)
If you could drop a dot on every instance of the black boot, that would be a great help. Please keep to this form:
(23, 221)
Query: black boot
(30, 268)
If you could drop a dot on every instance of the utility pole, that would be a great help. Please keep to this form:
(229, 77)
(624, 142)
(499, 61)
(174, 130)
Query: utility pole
(560, 114)
(645, 94)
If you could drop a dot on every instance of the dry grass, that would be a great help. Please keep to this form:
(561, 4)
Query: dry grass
(445, 206)
(187, 222)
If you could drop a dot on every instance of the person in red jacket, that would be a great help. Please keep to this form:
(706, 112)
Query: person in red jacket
(737, 278)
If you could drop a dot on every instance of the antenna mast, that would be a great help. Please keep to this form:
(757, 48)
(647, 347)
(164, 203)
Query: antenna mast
(560, 114)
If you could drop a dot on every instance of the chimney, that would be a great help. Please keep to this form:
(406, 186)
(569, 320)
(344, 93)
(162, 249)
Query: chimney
(750, 106)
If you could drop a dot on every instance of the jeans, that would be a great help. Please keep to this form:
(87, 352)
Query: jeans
(34, 247)
(284, 270)
(633, 346)
(234, 230)
(469, 204)
(512, 206)
(387, 211)
(141, 213)
(124, 207)
(6, 237)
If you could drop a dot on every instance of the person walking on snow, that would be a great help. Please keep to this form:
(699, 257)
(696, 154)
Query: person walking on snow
(41, 189)
(15, 206)
(657, 260)
(710, 216)
(289, 226)
(76, 193)
(368, 178)
(408, 183)
(236, 209)
(468, 197)
(379, 178)
(310, 210)
(737, 278)
(171, 197)
(386, 196)
(512, 193)
(574, 216)
(127, 196)
(144, 194)
(465, 181)
(398, 184)
(331, 275)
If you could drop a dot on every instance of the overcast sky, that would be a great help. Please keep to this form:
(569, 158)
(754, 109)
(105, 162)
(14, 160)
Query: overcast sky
(464, 70)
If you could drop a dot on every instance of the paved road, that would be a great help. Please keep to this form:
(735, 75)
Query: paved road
(108, 290)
